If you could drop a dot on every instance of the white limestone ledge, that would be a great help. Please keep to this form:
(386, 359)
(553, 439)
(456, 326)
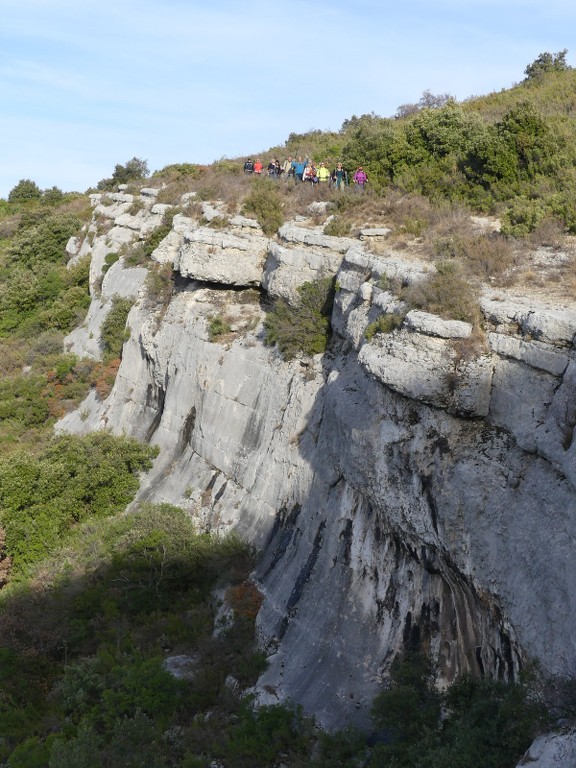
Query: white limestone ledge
(432, 325)
(393, 266)
(427, 368)
(534, 353)
(143, 223)
(244, 222)
(168, 249)
(313, 237)
(288, 268)
(555, 326)
(221, 257)
(374, 232)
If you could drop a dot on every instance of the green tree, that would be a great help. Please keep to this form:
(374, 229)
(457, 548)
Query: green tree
(52, 196)
(134, 170)
(26, 189)
(547, 62)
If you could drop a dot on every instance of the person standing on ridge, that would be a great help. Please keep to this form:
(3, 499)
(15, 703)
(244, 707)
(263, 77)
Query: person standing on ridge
(287, 168)
(258, 167)
(249, 166)
(299, 168)
(360, 178)
(339, 176)
(322, 173)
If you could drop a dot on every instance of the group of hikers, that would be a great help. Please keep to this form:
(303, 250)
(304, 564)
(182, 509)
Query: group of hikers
(304, 170)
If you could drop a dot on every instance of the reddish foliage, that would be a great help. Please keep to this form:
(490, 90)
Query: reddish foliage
(105, 376)
(245, 599)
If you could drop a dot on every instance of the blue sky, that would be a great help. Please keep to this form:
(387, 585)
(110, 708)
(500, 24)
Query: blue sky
(84, 86)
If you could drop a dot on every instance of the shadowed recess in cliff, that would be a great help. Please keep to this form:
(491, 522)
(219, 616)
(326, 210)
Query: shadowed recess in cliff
(302, 578)
(282, 533)
(155, 397)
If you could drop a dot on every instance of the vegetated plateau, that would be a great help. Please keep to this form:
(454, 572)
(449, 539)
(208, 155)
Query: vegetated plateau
(96, 602)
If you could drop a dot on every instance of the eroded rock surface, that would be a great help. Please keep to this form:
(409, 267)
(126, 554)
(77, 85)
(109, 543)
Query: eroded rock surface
(415, 488)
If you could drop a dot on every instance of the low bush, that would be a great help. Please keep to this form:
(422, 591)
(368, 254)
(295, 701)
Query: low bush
(159, 286)
(483, 256)
(109, 259)
(264, 202)
(384, 324)
(141, 252)
(114, 332)
(337, 227)
(304, 328)
(446, 293)
(219, 222)
(218, 327)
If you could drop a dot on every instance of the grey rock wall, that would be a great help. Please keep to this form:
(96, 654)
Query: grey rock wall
(401, 490)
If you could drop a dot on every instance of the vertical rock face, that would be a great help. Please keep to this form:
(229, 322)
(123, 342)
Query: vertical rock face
(401, 491)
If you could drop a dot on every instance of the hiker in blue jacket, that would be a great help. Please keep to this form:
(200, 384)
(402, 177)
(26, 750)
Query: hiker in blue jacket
(299, 168)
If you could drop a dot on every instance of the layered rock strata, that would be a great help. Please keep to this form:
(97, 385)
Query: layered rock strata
(418, 488)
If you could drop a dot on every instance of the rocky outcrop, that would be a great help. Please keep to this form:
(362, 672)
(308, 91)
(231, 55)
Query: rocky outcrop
(415, 487)
(215, 256)
(552, 751)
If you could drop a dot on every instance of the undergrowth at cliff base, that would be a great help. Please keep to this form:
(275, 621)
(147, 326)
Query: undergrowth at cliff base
(84, 643)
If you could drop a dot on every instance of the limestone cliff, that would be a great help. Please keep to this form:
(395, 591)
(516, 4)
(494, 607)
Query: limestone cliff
(410, 488)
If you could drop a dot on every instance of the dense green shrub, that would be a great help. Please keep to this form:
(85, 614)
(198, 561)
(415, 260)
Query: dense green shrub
(304, 328)
(261, 734)
(77, 478)
(522, 216)
(474, 722)
(45, 242)
(26, 189)
(114, 332)
(116, 598)
(37, 290)
(264, 202)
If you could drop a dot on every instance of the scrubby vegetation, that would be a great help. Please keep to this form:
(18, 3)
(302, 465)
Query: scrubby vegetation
(114, 332)
(94, 601)
(473, 720)
(265, 204)
(305, 328)
(218, 327)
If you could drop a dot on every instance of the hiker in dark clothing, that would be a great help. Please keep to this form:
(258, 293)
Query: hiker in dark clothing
(339, 177)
